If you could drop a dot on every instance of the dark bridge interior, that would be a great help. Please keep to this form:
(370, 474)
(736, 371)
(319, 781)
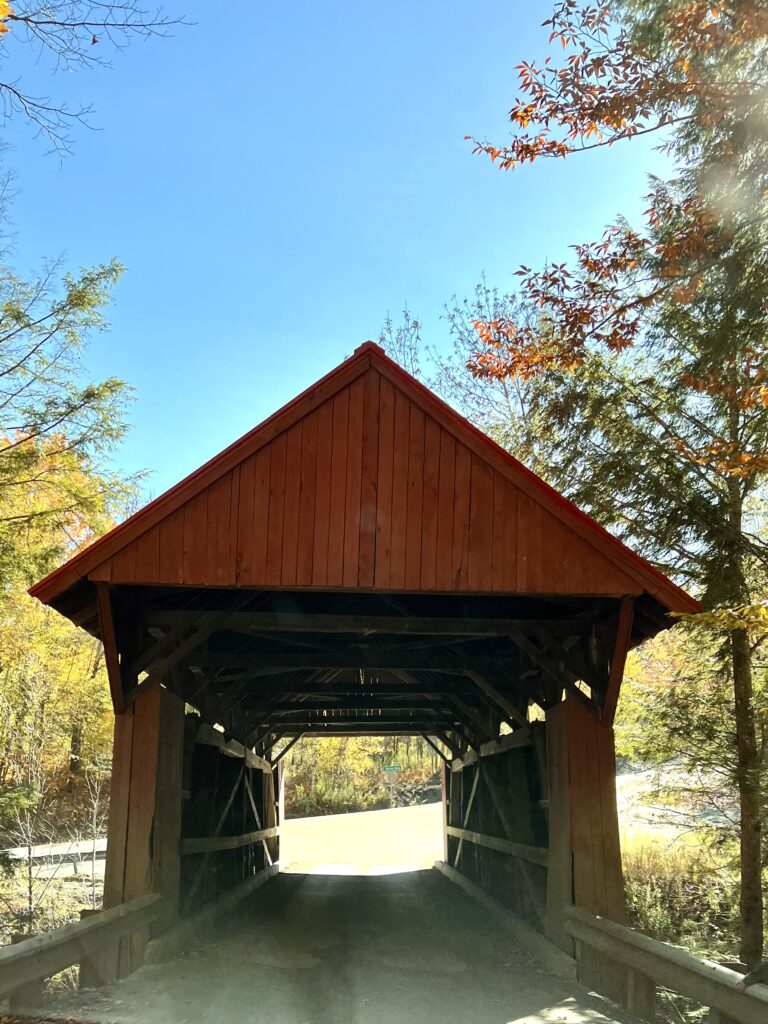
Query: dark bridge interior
(268, 665)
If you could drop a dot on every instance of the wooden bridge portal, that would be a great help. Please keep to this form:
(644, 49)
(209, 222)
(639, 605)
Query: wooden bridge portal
(364, 562)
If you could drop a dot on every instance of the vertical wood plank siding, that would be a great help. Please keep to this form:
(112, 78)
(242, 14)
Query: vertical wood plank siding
(367, 490)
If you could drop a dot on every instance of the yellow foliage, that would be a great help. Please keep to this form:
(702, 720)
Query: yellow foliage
(54, 696)
(748, 616)
(5, 12)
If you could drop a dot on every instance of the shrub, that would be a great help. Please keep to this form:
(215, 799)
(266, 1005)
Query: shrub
(682, 894)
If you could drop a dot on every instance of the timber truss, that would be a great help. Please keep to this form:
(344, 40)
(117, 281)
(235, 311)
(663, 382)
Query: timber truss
(268, 665)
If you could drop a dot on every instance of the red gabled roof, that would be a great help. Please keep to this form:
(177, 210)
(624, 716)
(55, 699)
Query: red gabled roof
(314, 402)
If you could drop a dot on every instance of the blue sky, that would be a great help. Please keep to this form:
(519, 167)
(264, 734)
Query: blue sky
(277, 179)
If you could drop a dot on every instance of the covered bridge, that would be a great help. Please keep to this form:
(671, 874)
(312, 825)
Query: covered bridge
(364, 562)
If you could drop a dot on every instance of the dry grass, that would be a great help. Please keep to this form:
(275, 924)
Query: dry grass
(683, 892)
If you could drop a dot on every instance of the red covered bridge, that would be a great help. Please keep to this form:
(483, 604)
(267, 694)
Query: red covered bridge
(367, 562)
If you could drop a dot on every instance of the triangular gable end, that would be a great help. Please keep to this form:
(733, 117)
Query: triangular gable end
(367, 481)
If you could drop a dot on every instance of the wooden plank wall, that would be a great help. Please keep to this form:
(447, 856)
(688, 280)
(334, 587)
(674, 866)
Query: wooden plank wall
(366, 491)
(584, 846)
(514, 779)
(145, 815)
(564, 802)
(217, 802)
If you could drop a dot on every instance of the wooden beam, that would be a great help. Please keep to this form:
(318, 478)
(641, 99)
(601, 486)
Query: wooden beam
(454, 663)
(260, 733)
(50, 952)
(499, 804)
(379, 723)
(338, 691)
(618, 661)
(509, 741)
(257, 819)
(286, 748)
(240, 689)
(181, 651)
(355, 704)
(370, 625)
(467, 812)
(258, 716)
(463, 729)
(111, 653)
(576, 665)
(207, 736)
(448, 743)
(531, 854)
(346, 733)
(497, 697)
(185, 624)
(456, 725)
(562, 678)
(199, 874)
(212, 844)
(436, 749)
(471, 717)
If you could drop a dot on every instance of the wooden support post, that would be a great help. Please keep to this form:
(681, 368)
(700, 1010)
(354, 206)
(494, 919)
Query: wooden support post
(641, 996)
(271, 794)
(280, 802)
(584, 853)
(145, 816)
(444, 781)
(30, 995)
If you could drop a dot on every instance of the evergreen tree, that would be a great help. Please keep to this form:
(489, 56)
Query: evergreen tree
(645, 361)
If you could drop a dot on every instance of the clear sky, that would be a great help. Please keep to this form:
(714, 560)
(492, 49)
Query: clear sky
(277, 178)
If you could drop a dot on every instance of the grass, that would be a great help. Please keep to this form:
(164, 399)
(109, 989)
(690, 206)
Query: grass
(679, 893)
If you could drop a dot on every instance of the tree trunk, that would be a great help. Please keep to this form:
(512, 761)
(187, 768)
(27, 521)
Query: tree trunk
(748, 777)
(75, 749)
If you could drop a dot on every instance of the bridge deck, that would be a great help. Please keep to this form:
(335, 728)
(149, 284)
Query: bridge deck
(324, 949)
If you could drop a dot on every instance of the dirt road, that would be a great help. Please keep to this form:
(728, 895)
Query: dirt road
(348, 945)
(317, 949)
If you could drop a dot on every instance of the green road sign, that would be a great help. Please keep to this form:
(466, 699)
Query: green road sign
(391, 768)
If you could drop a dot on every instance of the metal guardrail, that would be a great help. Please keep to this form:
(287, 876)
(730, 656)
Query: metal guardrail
(661, 964)
(46, 954)
(60, 853)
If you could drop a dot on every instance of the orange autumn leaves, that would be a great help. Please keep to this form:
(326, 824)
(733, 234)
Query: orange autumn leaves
(6, 11)
(611, 86)
(607, 82)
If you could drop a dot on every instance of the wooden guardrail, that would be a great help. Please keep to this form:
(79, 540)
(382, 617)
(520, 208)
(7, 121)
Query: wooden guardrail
(649, 961)
(212, 844)
(46, 954)
(532, 854)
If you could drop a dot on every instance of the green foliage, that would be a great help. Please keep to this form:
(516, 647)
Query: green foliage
(634, 378)
(57, 493)
(335, 776)
(56, 429)
(677, 711)
(678, 894)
